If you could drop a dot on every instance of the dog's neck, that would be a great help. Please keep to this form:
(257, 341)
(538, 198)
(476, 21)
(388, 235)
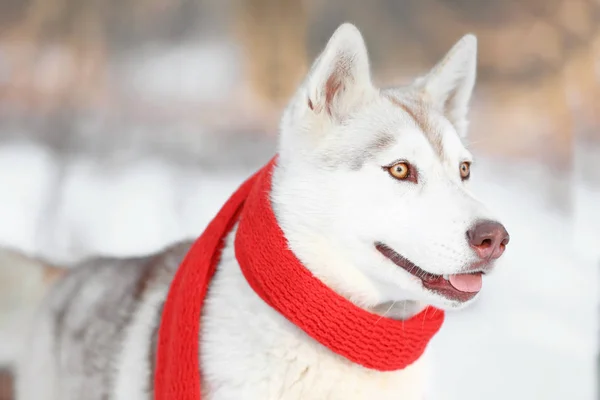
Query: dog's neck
(325, 260)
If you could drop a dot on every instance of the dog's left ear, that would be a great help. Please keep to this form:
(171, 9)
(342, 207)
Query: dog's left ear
(449, 85)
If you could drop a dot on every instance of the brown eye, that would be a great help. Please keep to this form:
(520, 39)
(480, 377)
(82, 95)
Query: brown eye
(400, 170)
(465, 170)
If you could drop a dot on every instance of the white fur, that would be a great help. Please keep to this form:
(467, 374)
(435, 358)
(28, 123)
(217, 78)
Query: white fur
(131, 383)
(249, 351)
(332, 212)
(341, 212)
(450, 84)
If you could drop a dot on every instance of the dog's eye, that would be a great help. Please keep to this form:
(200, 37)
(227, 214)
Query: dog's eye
(465, 170)
(400, 170)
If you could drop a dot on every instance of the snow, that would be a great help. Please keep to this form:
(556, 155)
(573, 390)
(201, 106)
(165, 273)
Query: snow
(531, 335)
(25, 176)
(100, 210)
(533, 332)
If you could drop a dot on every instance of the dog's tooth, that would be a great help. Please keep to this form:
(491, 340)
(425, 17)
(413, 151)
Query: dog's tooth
(446, 276)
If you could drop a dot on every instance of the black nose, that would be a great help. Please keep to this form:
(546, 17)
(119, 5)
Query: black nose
(488, 239)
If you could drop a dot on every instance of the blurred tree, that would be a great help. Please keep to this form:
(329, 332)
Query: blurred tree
(273, 37)
(6, 385)
(533, 54)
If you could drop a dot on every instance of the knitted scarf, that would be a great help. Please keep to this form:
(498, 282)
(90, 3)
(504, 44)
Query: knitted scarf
(280, 279)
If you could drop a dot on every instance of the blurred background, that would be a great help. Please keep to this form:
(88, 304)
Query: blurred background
(125, 124)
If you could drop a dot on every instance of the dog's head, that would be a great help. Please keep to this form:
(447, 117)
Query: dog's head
(372, 187)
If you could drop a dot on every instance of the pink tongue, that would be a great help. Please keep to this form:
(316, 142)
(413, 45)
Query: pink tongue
(469, 283)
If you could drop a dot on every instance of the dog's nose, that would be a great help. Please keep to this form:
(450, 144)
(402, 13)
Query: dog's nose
(488, 239)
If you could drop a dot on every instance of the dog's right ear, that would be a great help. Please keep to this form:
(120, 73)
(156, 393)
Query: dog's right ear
(340, 77)
(449, 85)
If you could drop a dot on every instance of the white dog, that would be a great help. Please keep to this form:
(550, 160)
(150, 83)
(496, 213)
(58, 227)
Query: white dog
(367, 179)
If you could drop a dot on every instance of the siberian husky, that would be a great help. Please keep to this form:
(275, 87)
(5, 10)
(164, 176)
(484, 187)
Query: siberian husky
(367, 179)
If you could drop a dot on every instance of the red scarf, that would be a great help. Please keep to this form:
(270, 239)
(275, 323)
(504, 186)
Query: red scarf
(281, 280)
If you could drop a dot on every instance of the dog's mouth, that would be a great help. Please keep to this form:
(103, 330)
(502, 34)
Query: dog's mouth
(458, 287)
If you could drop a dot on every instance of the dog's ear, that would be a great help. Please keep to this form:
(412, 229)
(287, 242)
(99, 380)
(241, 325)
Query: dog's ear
(449, 85)
(340, 77)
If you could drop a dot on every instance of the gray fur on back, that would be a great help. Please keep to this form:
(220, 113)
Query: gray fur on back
(85, 316)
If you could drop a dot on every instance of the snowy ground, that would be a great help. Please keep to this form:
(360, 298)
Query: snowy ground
(532, 335)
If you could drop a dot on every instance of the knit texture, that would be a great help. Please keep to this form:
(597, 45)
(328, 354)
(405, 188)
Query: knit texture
(280, 279)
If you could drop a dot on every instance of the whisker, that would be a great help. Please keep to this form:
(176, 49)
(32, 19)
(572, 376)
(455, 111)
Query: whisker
(385, 313)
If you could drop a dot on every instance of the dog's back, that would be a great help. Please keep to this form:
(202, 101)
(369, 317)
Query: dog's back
(80, 332)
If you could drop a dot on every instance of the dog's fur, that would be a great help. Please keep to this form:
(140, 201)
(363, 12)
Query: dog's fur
(95, 334)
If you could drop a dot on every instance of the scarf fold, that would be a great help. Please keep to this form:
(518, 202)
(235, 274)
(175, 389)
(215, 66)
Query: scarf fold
(280, 279)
